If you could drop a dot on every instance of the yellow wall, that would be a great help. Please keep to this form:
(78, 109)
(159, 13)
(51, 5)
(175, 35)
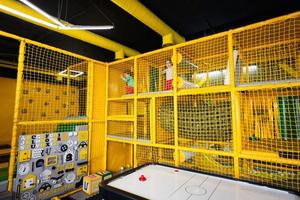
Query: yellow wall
(7, 103)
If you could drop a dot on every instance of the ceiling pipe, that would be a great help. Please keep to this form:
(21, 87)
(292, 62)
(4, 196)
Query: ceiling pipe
(83, 35)
(143, 14)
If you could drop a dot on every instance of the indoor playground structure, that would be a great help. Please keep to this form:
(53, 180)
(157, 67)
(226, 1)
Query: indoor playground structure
(226, 104)
(233, 109)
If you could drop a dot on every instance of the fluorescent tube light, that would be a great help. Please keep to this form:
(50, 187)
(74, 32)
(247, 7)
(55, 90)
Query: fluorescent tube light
(55, 20)
(34, 19)
(78, 27)
(34, 7)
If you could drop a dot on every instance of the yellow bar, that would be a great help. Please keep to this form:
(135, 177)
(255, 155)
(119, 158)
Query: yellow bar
(156, 145)
(120, 98)
(152, 121)
(14, 139)
(135, 113)
(139, 11)
(234, 109)
(205, 90)
(175, 107)
(156, 94)
(106, 113)
(90, 96)
(257, 156)
(120, 140)
(214, 152)
(129, 118)
(53, 122)
(279, 84)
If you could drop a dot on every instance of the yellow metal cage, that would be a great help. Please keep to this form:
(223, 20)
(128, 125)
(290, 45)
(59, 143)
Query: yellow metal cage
(55, 92)
(232, 107)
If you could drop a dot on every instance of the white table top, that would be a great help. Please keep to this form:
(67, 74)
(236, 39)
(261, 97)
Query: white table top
(166, 183)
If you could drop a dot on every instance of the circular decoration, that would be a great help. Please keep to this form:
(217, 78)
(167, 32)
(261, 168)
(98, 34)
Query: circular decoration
(70, 178)
(24, 169)
(64, 147)
(25, 196)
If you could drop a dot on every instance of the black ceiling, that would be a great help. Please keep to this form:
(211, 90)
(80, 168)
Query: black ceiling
(190, 18)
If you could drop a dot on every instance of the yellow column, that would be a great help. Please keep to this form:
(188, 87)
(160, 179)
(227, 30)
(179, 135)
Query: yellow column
(176, 155)
(152, 121)
(135, 114)
(14, 138)
(90, 97)
(106, 113)
(234, 107)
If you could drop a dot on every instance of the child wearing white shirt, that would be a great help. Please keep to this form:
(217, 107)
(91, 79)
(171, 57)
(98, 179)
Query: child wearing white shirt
(169, 75)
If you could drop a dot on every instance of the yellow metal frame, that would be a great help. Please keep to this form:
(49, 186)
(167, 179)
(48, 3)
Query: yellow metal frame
(90, 100)
(235, 90)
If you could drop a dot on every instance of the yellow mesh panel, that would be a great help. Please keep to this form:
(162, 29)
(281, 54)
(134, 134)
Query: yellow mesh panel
(271, 173)
(143, 120)
(53, 86)
(270, 121)
(117, 87)
(148, 154)
(268, 53)
(120, 108)
(217, 119)
(204, 121)
(164, 111)
(204, 63)
(120, 130)
(210, 163)
(152, 72)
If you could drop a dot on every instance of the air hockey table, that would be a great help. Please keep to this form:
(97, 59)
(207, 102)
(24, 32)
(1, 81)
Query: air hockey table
(160, 182)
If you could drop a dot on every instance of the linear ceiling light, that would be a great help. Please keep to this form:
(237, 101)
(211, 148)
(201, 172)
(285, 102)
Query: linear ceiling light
(31, 18)
(78, 27)
(58, 24)
(34, 7)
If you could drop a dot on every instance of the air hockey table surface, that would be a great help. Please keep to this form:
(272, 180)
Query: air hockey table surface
(154, 181)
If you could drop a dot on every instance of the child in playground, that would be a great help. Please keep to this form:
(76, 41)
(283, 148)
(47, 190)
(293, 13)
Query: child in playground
(127, 77)
(169, 75)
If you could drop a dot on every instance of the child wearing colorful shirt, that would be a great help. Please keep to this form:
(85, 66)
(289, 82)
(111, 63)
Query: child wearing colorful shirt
(169, 75)
(129, 82)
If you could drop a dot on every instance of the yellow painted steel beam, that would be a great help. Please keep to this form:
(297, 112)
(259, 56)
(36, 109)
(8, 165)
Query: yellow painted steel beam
(52, 122)
(234, 108)
(143, 14)
(14, 137)
(89, 105)
(83, 35)
(135, 111)
(175, 106)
